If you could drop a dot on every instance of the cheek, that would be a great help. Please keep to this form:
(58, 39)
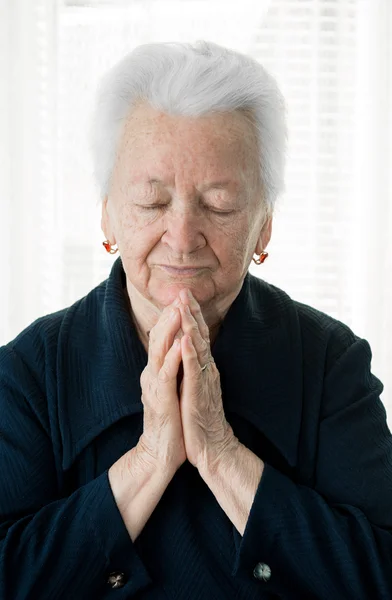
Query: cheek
(232, 240)
(138, 235)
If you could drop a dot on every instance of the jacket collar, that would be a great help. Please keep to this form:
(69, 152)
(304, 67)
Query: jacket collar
(257, 352)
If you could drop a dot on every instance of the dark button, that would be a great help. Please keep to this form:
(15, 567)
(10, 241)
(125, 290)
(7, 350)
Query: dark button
(262, 572)
(116, 579)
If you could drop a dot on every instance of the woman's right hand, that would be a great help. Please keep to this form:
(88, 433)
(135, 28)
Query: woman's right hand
(139, 477)
(162, 443)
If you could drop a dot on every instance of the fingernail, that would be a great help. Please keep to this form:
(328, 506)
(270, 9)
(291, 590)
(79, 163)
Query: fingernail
(177, 302)
(173, 313)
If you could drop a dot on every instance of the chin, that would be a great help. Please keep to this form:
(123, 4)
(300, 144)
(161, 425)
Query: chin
(165, 293)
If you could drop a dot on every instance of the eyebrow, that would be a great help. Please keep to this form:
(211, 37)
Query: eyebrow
(218, 185)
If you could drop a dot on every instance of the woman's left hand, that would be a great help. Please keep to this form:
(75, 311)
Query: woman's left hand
(207, 435)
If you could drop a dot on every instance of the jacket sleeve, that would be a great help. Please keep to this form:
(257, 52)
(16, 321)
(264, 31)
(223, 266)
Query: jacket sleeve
(333, 541)
(52, 547)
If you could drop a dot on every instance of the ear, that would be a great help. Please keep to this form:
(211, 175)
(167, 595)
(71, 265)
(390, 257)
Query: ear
(106, 225)
(265, 236)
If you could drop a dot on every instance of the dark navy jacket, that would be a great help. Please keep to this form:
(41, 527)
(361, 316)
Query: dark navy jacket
(297, 390)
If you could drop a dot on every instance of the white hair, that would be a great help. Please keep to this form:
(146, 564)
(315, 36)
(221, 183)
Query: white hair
(191, 80)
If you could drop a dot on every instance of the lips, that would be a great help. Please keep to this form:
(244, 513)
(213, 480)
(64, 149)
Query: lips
(190, 267)
(182, 270)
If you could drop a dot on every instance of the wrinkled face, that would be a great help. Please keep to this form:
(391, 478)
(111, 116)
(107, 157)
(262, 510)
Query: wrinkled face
(184, 193)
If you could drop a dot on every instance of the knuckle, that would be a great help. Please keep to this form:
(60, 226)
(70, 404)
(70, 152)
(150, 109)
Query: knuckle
(205, 352)
(147, 384)
(146, 394)
(194, 326)
(163, 375)
(215, 373)
(206, 333)
(144, 377)
(153, 356)
(205, 344)
(153, 335)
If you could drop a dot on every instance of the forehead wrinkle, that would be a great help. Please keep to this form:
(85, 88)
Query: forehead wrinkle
(146, 134)
(228, 127)
(215, 185)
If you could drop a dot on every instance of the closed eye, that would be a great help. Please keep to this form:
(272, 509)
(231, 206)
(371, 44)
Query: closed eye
(221, 212)
(162, 206)
(151, 206)
(218, 212)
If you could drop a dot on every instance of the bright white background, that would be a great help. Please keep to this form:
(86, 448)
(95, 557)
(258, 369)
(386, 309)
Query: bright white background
(332, 239)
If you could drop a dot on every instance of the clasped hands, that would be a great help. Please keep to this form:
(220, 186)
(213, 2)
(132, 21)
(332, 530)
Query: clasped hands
(189, 424)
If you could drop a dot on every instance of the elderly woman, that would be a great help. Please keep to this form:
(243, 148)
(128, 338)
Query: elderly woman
(187, 430)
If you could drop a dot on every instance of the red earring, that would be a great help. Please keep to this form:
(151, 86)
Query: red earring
(261, 258)
(109, 248)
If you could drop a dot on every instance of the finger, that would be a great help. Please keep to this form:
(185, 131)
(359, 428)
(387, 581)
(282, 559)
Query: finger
(161, 337)
(168, 372)
(190, 327)
(190, 359)
(188, 298)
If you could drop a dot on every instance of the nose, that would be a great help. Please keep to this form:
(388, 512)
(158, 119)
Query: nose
(183, 233)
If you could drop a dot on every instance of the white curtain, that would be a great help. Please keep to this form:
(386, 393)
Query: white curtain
(332, 238)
